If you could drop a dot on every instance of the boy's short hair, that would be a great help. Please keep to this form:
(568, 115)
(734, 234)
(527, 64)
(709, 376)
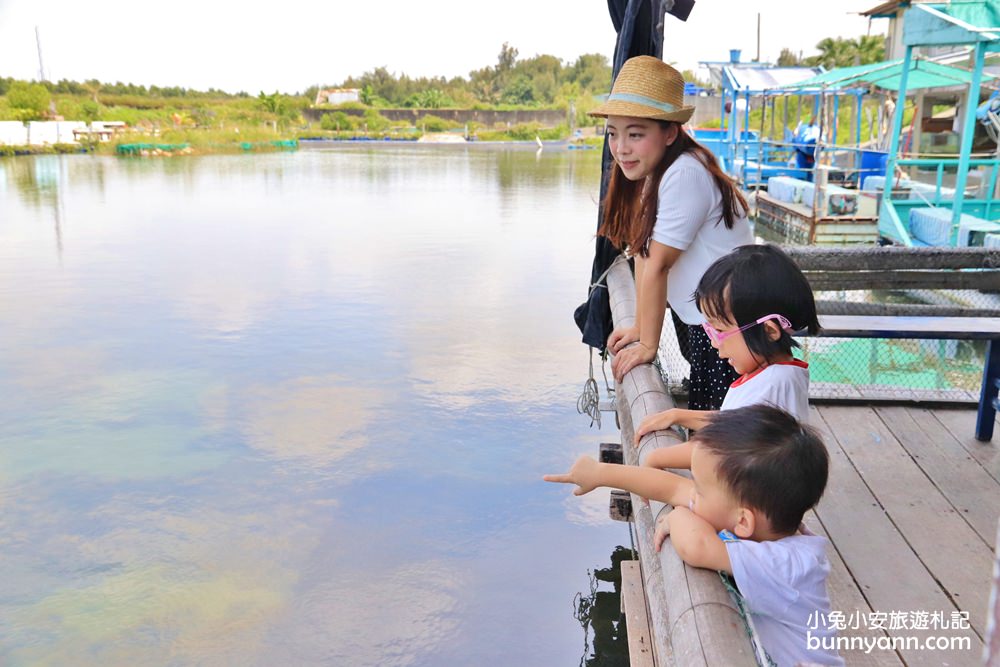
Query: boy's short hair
(770, 461)
(753, 281)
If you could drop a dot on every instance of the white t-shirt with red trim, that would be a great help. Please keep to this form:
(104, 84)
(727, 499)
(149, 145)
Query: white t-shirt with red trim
(784, 385)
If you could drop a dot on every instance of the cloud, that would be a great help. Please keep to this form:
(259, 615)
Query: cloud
(390, 619)
(315, 420)
(174, 581)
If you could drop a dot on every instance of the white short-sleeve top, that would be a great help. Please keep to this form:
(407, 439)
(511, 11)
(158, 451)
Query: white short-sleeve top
(689, 218)
(784, 385)
(784, 585)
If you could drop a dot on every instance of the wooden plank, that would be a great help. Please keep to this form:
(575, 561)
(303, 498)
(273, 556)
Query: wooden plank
(826, 307)
(886, 569)
(846, 597)
(980, 279)
(961, 424)
(966, 485)
(640, 647)
(874, 326)
(827, 390)
(653, 572)
(934, 531)
(872, 394)
(811, 258)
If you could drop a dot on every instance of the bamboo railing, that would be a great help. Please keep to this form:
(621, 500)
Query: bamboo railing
(693, 620)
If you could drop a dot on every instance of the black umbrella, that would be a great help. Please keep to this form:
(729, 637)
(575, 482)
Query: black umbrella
(639, 24)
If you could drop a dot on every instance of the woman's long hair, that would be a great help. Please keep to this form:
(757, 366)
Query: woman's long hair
(630, 206)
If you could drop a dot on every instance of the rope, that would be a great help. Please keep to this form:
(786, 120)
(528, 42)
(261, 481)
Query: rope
(589, 402)
(763, 659)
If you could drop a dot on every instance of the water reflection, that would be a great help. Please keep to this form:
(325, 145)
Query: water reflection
(600, 614)
(39, 180)
(294, 408)
(315, 420)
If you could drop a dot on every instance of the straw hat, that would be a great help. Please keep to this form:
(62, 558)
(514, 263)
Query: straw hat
(647, 87)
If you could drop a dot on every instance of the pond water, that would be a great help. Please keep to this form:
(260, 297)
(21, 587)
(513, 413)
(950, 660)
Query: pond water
(294, 408)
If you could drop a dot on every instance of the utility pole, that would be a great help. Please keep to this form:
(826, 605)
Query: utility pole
(41, 76)
(758, 36)
(41, 69)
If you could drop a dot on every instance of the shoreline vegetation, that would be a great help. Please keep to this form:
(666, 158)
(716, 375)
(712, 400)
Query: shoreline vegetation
(535, 99)
(541, 98)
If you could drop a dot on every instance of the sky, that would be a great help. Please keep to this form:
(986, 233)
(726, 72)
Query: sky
(294, 44)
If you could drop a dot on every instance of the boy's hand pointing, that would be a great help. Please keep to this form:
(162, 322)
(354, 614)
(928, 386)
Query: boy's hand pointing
(585, 473)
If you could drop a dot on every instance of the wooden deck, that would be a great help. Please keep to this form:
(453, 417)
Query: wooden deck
(911, 510)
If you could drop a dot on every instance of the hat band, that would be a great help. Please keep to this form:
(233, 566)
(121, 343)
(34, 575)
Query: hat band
(642, 99)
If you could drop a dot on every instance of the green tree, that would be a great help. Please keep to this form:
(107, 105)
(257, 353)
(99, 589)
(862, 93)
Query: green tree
(429, 99)
(833, 52)
(93, 87)
(90, 110)
(271, 103)
(692, 77)
(338, 120)
(507, 58)
(483, 83)
(846, 52)
(28, 101)
(871, 49)
(788, 58)
(375, 122)
(543, 74)
(518, 91)
(592, 71)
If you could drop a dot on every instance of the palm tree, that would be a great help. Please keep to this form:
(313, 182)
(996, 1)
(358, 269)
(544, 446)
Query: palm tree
(835, 52)
(870, 49)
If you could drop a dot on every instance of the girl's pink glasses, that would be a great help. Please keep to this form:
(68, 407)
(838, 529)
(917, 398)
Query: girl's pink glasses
(717, 336)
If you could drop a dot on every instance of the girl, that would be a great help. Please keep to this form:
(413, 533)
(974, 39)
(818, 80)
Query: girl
(670, 205)
(752, 299)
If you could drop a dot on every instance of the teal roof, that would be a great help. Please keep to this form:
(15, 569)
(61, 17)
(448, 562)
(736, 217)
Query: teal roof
(923, 74)
(978, 13)
(960, 22)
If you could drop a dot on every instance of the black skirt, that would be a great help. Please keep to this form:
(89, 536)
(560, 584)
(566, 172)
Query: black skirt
(710, 376)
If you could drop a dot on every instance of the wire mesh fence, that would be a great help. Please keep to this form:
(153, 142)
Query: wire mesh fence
(875, 368)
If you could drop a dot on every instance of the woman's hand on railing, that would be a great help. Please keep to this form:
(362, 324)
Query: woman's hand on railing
(632, 356)
(621, 337)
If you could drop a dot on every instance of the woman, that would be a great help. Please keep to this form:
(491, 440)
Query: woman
(671, 206)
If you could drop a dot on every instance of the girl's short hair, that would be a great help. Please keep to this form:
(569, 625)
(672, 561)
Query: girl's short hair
(753, 281)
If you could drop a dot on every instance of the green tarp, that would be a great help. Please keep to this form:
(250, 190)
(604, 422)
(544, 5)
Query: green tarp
(923, 74)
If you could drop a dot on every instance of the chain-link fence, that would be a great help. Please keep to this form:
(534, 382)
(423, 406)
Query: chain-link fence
(883, 369)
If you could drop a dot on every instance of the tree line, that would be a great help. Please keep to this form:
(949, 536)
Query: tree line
(541, 81)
